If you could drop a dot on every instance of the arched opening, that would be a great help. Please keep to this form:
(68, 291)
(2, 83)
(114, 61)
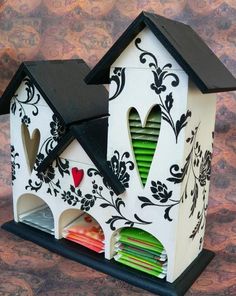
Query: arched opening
(81, 228)
(35, 212)
(140, 250)
(144, 139)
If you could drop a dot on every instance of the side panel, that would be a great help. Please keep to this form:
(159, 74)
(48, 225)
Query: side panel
(195, 177)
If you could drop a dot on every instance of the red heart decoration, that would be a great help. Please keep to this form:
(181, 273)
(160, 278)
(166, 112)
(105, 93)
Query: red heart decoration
(77, 176)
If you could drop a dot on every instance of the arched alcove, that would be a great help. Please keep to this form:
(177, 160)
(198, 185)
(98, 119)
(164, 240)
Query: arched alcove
(140, 250)
(81, 228)
(35, 212)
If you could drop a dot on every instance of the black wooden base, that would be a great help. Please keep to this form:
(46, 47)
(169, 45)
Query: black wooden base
(97, 261)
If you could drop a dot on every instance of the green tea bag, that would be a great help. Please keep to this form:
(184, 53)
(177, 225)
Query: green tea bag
(153, 256)
(140, 238)
(141, 262)
(141, 268)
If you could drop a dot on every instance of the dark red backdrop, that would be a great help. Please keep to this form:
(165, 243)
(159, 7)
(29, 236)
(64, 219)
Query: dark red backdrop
(62, 29)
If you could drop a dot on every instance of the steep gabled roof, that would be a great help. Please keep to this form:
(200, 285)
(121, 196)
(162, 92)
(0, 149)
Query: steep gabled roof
(92, 136)
(80, 107)
(189, 50)
(62, 85)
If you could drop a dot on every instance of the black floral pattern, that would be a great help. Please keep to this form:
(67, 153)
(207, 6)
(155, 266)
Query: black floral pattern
(205, 168)
(26, 120)
(162, 198)
(31, 100)
(120, 165)
(75, 196)
(68, 197)
(160, 75)
(196, 164)
(119, 78)
(201, 219)
(14, 164)
(57, 129)
(47, 177)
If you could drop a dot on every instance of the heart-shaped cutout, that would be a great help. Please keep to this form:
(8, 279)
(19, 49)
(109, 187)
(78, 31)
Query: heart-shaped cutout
(144, 139)
(77, 176)
(30, 144)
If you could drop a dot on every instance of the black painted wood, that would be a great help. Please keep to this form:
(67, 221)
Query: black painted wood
(92, 135)
(87, 257)
(61, 83)
(182, 42)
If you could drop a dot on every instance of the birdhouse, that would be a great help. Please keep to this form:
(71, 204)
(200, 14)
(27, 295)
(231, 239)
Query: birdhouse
(133, 165)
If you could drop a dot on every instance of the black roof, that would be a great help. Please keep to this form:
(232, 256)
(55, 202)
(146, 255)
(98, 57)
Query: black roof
(82, 108)
(182, 42)
(61, 83)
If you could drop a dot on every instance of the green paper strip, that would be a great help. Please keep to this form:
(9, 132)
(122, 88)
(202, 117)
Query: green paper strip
(144, 151)
(144, 144)
(145, 164)
(143, 181)
(143, 170)
(143, 175)
(144, 158)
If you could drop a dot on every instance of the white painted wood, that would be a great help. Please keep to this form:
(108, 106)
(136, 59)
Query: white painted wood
(30, 190)
(129, 59)
(204, 107)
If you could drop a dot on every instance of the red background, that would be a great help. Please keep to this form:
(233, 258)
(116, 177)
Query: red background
(62, 29)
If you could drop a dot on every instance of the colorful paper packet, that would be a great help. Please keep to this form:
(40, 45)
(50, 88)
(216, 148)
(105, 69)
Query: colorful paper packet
(88, 244)
(139, 238)
(143, 262)
(85, 239)
(85, 231)
(151, 271)
(149, 255)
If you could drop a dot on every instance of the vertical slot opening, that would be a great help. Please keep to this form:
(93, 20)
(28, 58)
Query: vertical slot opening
(144, 140)
(30, 144)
